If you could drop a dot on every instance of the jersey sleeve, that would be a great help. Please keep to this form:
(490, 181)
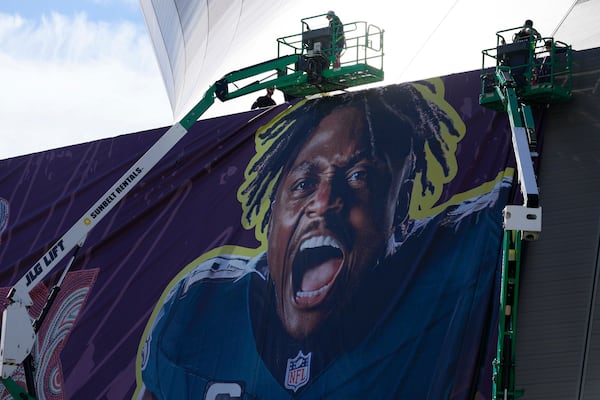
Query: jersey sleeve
(154, 363)
(150, 352)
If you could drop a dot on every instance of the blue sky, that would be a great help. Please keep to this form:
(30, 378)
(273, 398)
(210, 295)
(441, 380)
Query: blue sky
(105, 10)
(73, 71)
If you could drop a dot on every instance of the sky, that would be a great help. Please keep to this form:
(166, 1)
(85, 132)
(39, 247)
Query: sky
(73, 71)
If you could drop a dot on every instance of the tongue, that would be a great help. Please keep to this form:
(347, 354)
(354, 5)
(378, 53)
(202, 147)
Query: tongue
(320, 275)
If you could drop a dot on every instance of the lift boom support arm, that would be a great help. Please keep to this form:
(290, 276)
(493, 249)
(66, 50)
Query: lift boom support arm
(522, 127)
(520, 222)
(18, 328)
(297, 75)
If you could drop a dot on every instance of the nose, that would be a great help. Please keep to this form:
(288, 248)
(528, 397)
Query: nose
(325, 199)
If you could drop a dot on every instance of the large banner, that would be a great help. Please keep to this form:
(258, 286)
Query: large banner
(340, 247)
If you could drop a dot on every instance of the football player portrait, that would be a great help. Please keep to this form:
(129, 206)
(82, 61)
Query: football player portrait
(328, 307)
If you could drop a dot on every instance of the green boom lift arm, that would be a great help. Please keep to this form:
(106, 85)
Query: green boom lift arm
(304, 69)
(528, 72)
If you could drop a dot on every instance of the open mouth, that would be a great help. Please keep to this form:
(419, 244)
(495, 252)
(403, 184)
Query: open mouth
(315, 268)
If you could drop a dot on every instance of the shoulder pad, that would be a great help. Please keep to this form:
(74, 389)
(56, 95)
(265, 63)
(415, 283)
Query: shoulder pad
(222, 267)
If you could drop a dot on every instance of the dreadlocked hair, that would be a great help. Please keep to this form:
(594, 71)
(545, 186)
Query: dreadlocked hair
(401, 120)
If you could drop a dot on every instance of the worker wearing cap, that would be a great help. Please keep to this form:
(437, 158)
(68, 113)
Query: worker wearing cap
(338, 39)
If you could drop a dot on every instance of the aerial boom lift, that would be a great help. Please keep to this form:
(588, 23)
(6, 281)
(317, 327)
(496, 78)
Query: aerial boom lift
(303, 67)
(529, 72)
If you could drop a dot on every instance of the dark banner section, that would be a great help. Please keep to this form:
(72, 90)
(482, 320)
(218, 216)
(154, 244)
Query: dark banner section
(342, 247)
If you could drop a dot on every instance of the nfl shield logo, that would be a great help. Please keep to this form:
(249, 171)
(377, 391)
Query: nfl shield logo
(297, 373)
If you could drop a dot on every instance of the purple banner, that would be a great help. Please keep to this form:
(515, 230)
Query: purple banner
(342, 247)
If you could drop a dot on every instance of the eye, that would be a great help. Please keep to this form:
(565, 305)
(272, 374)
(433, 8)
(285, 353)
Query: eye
(357, 177)
(303, 186)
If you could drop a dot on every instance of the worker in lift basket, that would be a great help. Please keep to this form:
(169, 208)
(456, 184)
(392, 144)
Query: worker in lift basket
(338, 40)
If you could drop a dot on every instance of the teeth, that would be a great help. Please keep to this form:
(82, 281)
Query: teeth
(319, 241)
(313, 293)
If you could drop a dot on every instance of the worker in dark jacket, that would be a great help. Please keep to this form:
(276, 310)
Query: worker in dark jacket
(528, 32)
(266, 100)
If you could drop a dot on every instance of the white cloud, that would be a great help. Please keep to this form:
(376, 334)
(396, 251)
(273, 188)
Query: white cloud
(69, 80)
